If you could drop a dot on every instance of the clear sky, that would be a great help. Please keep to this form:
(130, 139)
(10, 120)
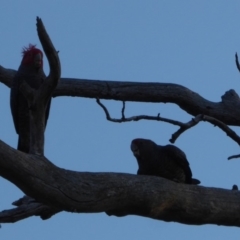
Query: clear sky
(191, 43)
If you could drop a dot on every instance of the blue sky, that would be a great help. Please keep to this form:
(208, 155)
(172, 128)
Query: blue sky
(184, 42)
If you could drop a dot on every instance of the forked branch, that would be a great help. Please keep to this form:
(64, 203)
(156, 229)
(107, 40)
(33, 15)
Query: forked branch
(135, 118)
(183, 126)
(230, 133)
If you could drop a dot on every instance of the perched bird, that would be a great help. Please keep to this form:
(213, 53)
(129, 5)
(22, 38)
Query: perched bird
(30, 71)
(164, 161)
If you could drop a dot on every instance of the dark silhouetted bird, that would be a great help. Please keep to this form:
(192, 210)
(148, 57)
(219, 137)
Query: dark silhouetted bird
(164, 161)
(30, 71)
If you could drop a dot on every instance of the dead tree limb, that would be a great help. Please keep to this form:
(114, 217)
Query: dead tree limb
(53, 60)
(234, 156)
(135, 118)
(237, 63)
(148, 196)
(185, 126)
(227, 111)
(26, 207)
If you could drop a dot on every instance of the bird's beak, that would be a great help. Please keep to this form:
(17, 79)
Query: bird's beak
(38, 60)
(135, 149)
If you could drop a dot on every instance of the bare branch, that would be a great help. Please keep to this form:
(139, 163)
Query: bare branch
(26, 207)
(184, 127)
(106, 111)
(230, 133)
(234, 156)
(135, 118)
(6, 76)
(123, 109)
(237, 63)
(120, 193)
(52, 56)
(228, 110)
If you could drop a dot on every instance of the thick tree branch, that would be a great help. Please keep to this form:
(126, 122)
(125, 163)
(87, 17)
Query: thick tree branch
(227, 111)
(148, 196)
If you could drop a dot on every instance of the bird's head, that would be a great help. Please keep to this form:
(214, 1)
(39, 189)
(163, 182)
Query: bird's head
(32, 57)
(135, 147)
(141, 146)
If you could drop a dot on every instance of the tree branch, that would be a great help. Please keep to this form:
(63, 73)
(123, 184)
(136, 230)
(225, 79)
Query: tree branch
(6, 76)
(227, 111)
(147, 196)
(185, 126)
(26, 207)
(234, 156)
(136, 118)
(51, 81)
(237, 63)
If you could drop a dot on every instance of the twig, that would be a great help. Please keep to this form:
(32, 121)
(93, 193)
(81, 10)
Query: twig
(123, 109)
(230, 133)
(237, 63)
(136, 118)
(233, 156)
(184, 127)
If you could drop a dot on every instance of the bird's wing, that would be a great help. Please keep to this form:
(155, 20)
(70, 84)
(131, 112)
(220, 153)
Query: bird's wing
(14, 101)
(179, 157)
(47, 111)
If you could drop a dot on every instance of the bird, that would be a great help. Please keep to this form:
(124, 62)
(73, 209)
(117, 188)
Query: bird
(30, 71)
(168, 161)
